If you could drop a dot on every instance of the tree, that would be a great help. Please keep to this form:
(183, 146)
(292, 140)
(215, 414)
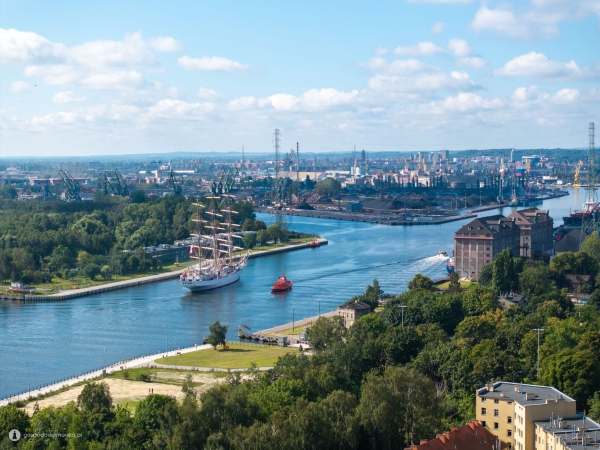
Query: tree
(591, 246)
(95, 397)
(217, 335)
(91, 270)
(138, 196)
(249, 240)
(106, 272)
(12, 418)
(576, 373)
(504, 273)
(262, 237)
(485, 274)
(329, 187)
(421, 282)
(398, 408)
(275, 232)
(372, 294)
(324, 333)
(454, 285)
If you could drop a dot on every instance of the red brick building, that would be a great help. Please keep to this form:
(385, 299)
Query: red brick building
(535, 226)
(477, 242)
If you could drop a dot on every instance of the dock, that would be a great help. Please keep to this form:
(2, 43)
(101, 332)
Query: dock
(271, 335)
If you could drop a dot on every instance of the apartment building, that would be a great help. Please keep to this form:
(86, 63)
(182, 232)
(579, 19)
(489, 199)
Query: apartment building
(572, 433)
(510, 411)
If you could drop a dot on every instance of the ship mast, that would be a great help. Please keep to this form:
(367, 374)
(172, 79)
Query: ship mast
(197, 235)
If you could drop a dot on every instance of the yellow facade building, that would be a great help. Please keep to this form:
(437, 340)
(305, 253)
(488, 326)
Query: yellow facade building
(510, 410)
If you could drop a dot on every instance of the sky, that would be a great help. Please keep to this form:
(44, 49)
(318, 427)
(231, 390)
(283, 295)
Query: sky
(130, 77)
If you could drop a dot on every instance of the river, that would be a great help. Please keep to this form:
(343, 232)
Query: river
(46, 342)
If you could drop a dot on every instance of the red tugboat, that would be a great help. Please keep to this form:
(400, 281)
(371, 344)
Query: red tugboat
(282, 284)
(314, 244)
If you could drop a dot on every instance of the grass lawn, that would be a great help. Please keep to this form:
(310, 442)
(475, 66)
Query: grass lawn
(237, 357)
(463, 284)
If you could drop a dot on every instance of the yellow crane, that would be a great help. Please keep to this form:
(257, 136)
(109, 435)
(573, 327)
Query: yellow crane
(576, 180)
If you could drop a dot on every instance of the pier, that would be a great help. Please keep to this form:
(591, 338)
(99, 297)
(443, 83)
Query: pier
(67, 295)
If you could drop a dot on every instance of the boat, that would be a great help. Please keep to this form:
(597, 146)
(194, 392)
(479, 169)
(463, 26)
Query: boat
(450, 266)
(20, 288)
(314, 244)
(443, 253)
(218, 265)
(282, 284)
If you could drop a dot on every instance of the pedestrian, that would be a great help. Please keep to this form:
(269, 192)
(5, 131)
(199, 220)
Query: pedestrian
(153, 390)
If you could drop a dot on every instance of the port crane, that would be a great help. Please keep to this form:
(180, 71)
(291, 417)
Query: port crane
(113, 183)
(73, 188)
(175, 183)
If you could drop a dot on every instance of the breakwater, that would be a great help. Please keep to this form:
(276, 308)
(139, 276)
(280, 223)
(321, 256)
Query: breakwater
(67, 295)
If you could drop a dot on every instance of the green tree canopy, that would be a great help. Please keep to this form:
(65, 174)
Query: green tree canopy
(217, 335)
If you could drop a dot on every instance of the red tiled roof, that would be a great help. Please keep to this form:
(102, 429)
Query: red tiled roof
(473, 436)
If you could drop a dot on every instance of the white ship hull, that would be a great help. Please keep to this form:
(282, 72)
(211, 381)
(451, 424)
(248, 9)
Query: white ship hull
(198, 286)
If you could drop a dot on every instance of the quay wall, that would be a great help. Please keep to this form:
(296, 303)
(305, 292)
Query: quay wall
(143, 280)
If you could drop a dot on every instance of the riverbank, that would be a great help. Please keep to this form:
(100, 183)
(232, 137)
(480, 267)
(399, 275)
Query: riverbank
(384, 219)
(76, 293)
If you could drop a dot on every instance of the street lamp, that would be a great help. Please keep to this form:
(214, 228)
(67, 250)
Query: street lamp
(166, 339)
(293, 324)
(402, 309)
(539, 330)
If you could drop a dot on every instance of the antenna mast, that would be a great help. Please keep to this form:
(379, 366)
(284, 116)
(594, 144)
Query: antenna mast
(590, 208)
(298, 164)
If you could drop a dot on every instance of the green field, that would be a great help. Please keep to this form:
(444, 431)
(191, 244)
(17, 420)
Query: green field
(237, 357)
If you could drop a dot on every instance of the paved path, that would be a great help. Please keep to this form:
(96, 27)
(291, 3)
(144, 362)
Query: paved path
(137, 362)
(296, 323)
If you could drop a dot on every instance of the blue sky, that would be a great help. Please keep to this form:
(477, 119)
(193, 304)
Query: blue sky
(124, 77)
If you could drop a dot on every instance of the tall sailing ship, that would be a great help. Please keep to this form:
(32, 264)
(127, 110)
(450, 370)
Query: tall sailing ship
(218, 264)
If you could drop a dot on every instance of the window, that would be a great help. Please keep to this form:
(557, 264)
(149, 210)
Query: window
(509, 419)
(483, 423)
(495, 413)
(509, 433)
(483, 399)
(495, 425)
(496, 401)
(483, 411)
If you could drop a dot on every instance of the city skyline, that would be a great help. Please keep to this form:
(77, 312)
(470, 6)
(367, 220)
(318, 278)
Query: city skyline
(414, 75)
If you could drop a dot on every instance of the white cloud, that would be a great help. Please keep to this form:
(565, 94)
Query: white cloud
(20, 86)
(208, 94)
(396, 67)
(26, 46)
(67, 97)
(101, 64)
(327, 98)
(505, 22)
(105, 79)
(420, 49)
(459, 47)
(242, 103)
(424, 82)
(442, 1)
(438, 28)
(211, 64)
(538, 65)
(177, 109)
(464, 54)
(565, 96)
(165, 44)
(284, 102)
(464, 102)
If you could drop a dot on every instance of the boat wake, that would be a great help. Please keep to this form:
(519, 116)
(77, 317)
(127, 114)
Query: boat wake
(426, 266)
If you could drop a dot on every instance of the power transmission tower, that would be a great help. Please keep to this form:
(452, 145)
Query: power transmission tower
(590, 213)
(277, 187)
